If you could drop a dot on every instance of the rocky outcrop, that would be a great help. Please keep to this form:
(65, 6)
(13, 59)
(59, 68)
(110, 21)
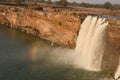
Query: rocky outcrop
(113, 32)
(59, 27)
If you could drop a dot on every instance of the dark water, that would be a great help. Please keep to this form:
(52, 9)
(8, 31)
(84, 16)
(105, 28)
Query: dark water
(24, 57)
(105, 16)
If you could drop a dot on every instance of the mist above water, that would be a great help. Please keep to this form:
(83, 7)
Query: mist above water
(90, 46)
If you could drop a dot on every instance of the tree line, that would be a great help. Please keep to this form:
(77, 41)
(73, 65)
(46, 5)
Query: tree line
(106, 5)
(65, 3)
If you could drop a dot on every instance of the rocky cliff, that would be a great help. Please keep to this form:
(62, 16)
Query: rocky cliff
(113, 32)
(59, 27)
(112, 52)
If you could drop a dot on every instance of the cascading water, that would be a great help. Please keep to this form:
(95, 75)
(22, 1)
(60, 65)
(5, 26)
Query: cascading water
(91, 43)
(117, 73)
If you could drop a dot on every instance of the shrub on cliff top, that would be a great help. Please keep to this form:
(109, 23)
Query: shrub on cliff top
(74, 13)
(60, 23)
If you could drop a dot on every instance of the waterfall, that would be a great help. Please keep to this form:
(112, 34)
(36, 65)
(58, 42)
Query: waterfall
(91, 43)
(117, 73)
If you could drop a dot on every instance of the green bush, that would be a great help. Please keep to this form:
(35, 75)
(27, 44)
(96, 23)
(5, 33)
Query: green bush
(60, 23)
(74, 14)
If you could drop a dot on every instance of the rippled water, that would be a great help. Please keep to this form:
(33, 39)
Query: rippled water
(24, 57)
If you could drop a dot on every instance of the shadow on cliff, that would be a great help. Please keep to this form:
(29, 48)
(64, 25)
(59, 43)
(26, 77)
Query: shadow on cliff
(111, 58)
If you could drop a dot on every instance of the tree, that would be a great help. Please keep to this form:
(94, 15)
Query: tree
(49, 1)
(83, 4)
(74, 3)
(42, 1)
(107, 5)
(63, 3)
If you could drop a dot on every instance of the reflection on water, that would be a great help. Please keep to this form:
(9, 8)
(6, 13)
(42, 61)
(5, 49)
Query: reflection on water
(24, 57)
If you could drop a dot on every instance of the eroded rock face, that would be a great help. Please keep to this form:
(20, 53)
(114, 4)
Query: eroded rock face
(59, 27)
(113, 32)
(112, 52)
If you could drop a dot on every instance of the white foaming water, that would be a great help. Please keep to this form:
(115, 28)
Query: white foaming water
(91, 43)
(117, 73)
